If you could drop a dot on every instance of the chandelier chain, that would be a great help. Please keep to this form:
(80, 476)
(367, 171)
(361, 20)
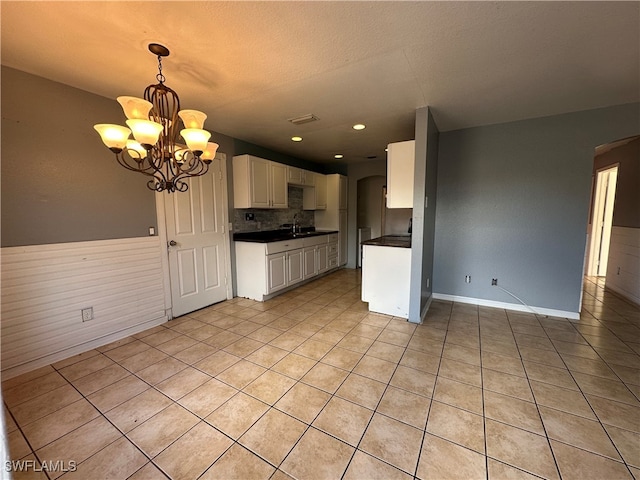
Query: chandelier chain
(160, 77)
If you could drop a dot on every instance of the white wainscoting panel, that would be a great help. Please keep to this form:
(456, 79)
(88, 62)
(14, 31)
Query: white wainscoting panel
(45, 287)
(623, 269)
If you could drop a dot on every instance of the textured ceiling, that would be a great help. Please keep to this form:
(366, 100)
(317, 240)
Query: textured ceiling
(252, 65)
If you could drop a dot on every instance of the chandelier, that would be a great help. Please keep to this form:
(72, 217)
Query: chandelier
(154, 150)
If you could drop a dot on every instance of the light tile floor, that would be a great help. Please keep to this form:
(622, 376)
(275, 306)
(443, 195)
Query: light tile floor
(309, 385)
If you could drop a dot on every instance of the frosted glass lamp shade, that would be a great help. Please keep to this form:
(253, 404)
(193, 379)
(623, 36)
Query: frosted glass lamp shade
(113, 136)
(145, 132)
(135, 108)
(196, 139)
(136, 147)
(192, 118)
(210, 152)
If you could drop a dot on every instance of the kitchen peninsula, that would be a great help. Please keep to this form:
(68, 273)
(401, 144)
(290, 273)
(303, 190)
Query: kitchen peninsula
(386, 271)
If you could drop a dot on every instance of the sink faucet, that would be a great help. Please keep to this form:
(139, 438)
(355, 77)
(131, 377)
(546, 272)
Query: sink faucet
(296, 226)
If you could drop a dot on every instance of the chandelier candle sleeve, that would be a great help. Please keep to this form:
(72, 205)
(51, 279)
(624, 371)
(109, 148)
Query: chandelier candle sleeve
(154, 121)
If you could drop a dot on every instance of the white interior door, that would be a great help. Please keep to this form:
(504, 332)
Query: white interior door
(604, 200)
(198, 253)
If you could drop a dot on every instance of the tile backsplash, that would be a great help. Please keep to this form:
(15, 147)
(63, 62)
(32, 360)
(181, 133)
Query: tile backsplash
(272, 219)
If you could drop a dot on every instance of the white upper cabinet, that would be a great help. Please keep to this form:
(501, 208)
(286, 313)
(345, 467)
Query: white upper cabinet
(400, 168)
(315, 198)
(259, 183)
(298, 176)
(342, 195)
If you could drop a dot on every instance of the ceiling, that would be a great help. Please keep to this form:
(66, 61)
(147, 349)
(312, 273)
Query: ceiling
(251, 66)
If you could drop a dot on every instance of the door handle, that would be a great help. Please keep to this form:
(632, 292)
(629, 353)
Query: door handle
(172, 243)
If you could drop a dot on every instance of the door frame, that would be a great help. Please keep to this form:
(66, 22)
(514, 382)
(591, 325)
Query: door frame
(600, 207)
(162, 235)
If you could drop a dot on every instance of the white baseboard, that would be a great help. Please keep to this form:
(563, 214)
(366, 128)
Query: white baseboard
(81, 348)
(626, 295)
(425, 310)
(507, 306)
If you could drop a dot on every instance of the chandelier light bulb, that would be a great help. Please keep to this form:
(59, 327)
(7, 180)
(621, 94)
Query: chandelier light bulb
(135, 108)
(192, 118)
(113, 136)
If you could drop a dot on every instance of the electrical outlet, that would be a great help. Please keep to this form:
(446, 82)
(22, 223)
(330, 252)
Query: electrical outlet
(494, 282)
(249, 216)
(87, 314)
(152, 231)
(467, 279)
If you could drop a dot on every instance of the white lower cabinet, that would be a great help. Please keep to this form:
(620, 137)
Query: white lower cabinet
(284, 269)
(277, 271)
(323, 258)
(286, 263)
(310, 262)
(294, 266)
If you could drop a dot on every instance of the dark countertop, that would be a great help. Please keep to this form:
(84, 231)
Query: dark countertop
(402, 241)
(267, 236)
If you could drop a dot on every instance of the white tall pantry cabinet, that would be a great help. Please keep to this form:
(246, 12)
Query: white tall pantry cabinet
(334, 217)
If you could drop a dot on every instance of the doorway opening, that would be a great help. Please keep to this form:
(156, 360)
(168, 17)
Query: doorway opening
(603, 203)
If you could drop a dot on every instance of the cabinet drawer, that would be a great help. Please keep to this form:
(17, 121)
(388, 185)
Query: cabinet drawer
(333, 237)
(283, 246)
(333, 249)
(332, 261)
(317, 240)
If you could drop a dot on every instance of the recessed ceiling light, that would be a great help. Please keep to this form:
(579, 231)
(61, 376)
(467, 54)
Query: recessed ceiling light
(359, 126)
(338, 155)
(296, 139)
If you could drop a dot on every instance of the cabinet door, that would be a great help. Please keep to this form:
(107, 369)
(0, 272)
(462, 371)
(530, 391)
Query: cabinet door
(400, 167)
(276, 271)
(321, 192)
(259, 171)
(295, 176)
(342, 237)
(279, 190)
(310, 262)
(342, 186)
(323, 258)
(308, 178)
(294, 266)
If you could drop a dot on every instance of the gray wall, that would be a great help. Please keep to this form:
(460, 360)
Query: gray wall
(626, 212)
(59, 182)
(424, 186)
(513, 201)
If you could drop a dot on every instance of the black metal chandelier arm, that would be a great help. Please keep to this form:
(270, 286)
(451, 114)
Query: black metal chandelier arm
(158, 179)
(182, 176)
(131, 160)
